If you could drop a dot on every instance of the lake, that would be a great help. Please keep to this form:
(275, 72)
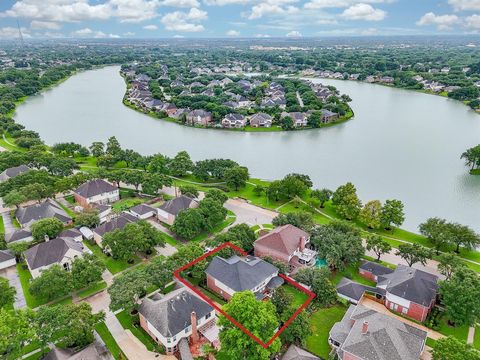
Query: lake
(401, 144)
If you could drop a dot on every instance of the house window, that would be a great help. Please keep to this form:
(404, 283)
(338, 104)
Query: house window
(208, 316)
(169, 340)
(404, 310)
(174, 338)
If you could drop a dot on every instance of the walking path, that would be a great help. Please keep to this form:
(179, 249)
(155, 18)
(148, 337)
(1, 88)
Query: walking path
(471, 335)
(299, 98)
(371, 304)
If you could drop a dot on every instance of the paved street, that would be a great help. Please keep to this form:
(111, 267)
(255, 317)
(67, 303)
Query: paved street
(11, 274)
(248, 213)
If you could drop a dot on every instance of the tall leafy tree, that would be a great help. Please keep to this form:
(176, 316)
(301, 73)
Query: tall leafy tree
(188, 223)
(392, 214)
(438, 232)
(7, 293)
(181, 164)
(448, 263)
(86, 271)
(50, 227)
(346, 201)
(54, 282)
(127, 289)
(379, 246)
(258, 317)
(16, 331)
(414, 253)
(461, 297)
(371, 214)
(322, 196)
(236, 177)
(450, 348)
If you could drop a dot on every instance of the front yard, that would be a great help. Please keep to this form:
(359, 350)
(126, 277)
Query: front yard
(321, 322)
(109, 341)
(113, 265)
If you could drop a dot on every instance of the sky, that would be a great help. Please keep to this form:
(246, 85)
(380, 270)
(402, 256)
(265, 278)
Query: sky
(235, 18)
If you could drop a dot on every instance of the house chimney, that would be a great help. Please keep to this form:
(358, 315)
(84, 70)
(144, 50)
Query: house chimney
(193, 318)
(365, 327)
(46, 238)
(302, 243)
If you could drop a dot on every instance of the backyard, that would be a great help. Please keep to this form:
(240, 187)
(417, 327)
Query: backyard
(113, 265)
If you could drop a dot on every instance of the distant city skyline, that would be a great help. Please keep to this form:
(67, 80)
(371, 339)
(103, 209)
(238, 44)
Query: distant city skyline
(235, 18)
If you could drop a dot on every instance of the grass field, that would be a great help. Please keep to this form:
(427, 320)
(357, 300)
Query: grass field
(128, 322)
(109, 341)
(321, 322)
(95, 288)
(299, 297)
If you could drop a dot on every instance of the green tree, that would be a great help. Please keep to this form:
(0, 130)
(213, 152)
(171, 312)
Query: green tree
(16, 331)
(448, 263)
(346, 201)
(414, 253)
(282, 300)
(258, 317)
(216, 194)
(97, 149)
(298, 330)
(50, 227)
(392, 214)
(462, 235)
(86, 271)
(379, 246)
(113, 148)
(472, 157)
(319, 280)
(188, 223)
(7, 293)
(14, 198)
(127, 288)
(450, 348)
(89, 219)
(322, 196)
(371, 214)
(53, 283)
(158, 164)
(189, 190)
(437, 231)
(236, 177)
(301, 219)
(181, 164)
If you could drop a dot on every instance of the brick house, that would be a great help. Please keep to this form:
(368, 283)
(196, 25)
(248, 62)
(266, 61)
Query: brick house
(96, 191)
(169, 210)
(261, 120)
(199, 117)
(365, 334)
(177, 316)
(228, 276)
(371, 270)
(287, 244)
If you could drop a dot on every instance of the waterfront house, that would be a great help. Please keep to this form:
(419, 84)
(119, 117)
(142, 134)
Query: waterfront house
(96, 191)
(234, 121)
(168, 211)
(13, 172)
(178, 316)
(365, 334)
(287, 244)
(28, 215)
(299, 119)
(261, 120)
(199, 117)
(228, 276)
(60, 251)
(328, 116)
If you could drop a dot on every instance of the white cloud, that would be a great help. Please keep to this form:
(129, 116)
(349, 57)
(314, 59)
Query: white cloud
(272, 7)
(365, 12)
(134, 10)
(178, 36)
(89, 33)
(459, 5)
(180, 3)
(129, 33)
(12, 33)
(294, 34)
(184, 21)
(262, 36)
(323, 4)
(225, 2)
(150, 27)
(369, 32)
(443, 22)
(47, 25)
(233, 33)
(473, 21)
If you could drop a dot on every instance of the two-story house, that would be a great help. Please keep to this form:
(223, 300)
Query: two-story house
(177, 316)
(96, 191)
(228, 276)
(287, 244)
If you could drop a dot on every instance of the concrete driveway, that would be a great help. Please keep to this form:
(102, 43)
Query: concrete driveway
(248, 213)
(11, 274)
(7, 222)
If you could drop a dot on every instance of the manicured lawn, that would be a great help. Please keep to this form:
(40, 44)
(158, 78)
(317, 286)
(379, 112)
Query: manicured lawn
(15, 222)
(170, 240)
(114, 266)
(475, 172)
(460, 332)
(299, 297)
(321, 322)
(95, 288)
(67, 210)
(9, 143)
(430, 342)
(2, 227)
(128, 322)
(476, 339)
(109, 341)
(263, 129)
(215, 230)
(125, 204)
(70, 199)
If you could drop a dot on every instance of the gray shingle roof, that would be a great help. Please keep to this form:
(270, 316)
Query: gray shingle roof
(172, 314)
(375, 269)
(386, 339)
(6, 255)
(176, 205)
(71, 233)
(142, 209)
(13, 171)
(240, 274)
(116, 223)
(296, 353)
(46, 209)
(411, 284)
(17, 235)
(50, 252)
(355, 291)
(94, 187)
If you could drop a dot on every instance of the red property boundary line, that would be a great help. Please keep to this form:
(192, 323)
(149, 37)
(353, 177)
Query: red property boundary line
(310, 294)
